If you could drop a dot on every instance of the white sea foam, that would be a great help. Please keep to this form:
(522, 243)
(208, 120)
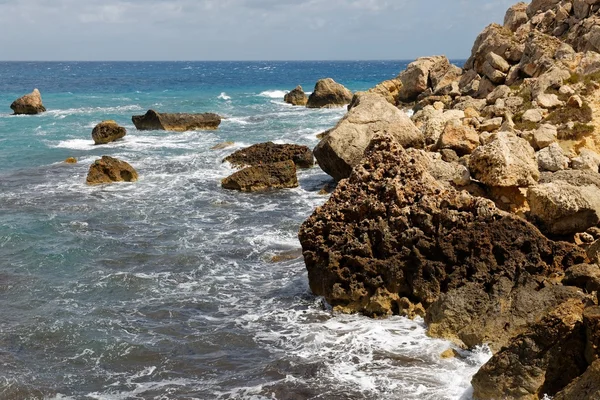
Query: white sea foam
(60, 114)
(224, 96)
(274, 94)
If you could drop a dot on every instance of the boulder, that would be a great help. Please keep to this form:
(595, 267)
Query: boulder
(495, 76)
(583, 276)
(552, 158)
(491, 125)
(585, 387)
(389, 89)
(540, 6)
(416, 78)
(107, 131)
(344, 145)
(29, 104)
(561, 208)
(461, 138)
(497, 62)
(269, 152)
(575, 101)
(575, 178)
(296, 97)
(533, 115)
(109, 170)
(179, 122)
(538, 54)
(329, 94)
(516, 16)
(432, 122)
(263, 177)
(539, 362)
(444, 81)
(493, 39)
(393, 231)
(586, 160)
(548, 101)
(501, 92)
(545, 135)
(506, 160)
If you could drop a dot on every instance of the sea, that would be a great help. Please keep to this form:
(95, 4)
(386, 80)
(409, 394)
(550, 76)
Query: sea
(166, 288)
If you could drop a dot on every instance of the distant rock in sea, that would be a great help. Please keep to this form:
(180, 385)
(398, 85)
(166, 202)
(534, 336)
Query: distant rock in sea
(268, 153)
(29, 104)
(107, 131)
(296, 97)
(179, 122)
(329, 94)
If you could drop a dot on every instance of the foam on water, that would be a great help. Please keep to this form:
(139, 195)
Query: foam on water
(274, 94)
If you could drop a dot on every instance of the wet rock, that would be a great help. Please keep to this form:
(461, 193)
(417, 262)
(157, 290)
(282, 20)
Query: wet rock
(562, 208)
(329, 94)
(71, 160)
(506, 160)
(109, 170)
(541, 361)
(263, 177)
(345, 144)
(269, 152)
(29, 104)
(552, 158)
(178, 122)
(221, 146)
(391, 230)
(296, 97)
(107, 131)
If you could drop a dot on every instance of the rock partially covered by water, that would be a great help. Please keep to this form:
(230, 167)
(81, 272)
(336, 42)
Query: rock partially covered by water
(179, 122)
(267, 153)
(329, 94)
(107, 131)
(392, 231)
(263, 177)
(296, 97)
(109, 170)
(344, 145)
(29, 104)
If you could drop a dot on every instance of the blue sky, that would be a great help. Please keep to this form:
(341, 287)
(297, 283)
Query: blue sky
(242, 29)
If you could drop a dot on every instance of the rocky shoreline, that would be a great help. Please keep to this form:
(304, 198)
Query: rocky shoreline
(480, 212)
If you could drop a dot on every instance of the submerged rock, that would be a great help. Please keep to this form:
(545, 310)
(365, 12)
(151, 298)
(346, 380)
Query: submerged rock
(263, 177)
(344, 145)
(29, 104)
(266, 153)
(179, 122)
(109, 170)
(296, 97)
(329, 94)
(107, 131)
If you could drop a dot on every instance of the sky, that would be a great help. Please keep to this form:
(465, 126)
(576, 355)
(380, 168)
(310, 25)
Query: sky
(111, 30)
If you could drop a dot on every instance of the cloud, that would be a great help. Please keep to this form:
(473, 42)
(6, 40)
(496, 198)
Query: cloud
(242, 29)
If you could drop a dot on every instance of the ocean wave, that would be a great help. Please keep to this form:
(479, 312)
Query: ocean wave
(274, 94)
(223, 96)
(92, 110)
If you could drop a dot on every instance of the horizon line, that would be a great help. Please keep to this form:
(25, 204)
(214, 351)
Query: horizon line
(265, 60)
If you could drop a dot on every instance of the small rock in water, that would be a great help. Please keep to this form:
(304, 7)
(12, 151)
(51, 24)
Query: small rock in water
(71, 160)
(296, 97)
(287, 256)
(107, 131)
(263, 177)
(109, 170)
(29, 104)
(450, 353)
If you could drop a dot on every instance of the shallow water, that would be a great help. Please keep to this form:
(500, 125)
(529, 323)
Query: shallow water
(165, 289)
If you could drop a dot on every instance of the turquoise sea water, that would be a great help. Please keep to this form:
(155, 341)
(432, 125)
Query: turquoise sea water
(164, 289)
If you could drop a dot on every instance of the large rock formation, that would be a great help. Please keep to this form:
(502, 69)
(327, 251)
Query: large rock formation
(109, 170)
(392, 231)
(296, 97)
(329, 94)
(344, 145)
(107, 131)
(263, 177)
(267, 153)
(179, 122)
(29, 104)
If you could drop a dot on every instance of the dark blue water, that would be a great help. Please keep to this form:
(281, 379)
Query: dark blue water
(165, 288)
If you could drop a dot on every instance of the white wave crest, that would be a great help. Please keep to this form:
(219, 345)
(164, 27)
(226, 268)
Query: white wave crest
(273, 94)
(223, 96)
(92, 110)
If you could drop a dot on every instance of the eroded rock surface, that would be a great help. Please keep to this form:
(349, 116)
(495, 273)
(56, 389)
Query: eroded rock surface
(269, 152)
(179, 122)
(29, 104)
(109, 170)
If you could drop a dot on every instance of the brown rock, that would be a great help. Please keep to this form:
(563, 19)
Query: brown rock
(585, 387)
(516, 16)
(329, 94)
(286, 256)
(389, 89)
(416, 78)
(458, 137)
(29, 104)
(391, 231)
(107, 131)
(221, 146)
(494, 39)
(178, 122)
(71, 160)
(269, 152)
(263, 177)
(584, 276)
(296, 97)
(109, 170)
(541, 361)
